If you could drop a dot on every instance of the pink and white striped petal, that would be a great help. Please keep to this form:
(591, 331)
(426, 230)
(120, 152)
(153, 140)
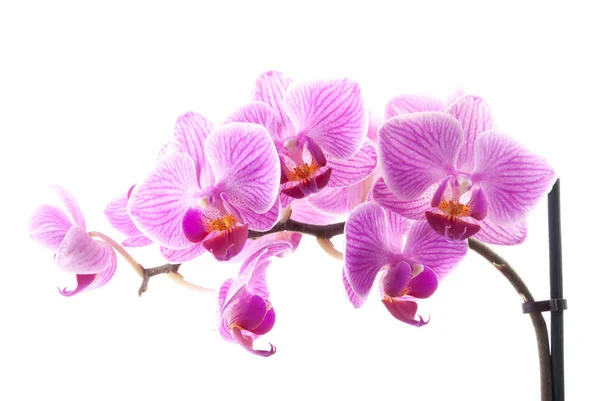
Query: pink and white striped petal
(258, 113)
(513, 178)
(366, 249)
(88, 282)
(71, 205)
(270, 88)
(136, 242)
(48, 226)
(412, 104)
(412, 209)
(259, 221)
(246, 165)
(80, 254)
(350, 171)
(495, 234)
(425, 246)
(116, 214)
(338, 201)
(223, 327)
(418, 150)
(475, 117)
(397, 229)
(331, 112)
(356, 301)
(182, 255)
(158, 204)
(191, 131)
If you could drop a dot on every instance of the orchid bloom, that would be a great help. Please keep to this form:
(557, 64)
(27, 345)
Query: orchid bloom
(92, 261)
(210, 190)
(319, 129)
(410, 255)
(454, 170)
(244, 307)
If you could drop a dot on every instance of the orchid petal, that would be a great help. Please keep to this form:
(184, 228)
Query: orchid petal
(136, 242)
(247, 342)
(495, 234)
(395, 279)
(357, 168)
(424, 284)
(425, 246)
(412, 104)
(116, 214)
(71, 205)
(165, 151)
(248, 314)
(514, 179)
(303, 212)
(246, 164)
(412, 209)
(158, 204)
(397, 228)
(475, 117)
(223, 328)
(191, 131)
(366, 246)
(356, 301)
(452, 229)
(478, 204)
(267, 324)
(337, 201)
(49, 225)
(291, 238)
(270, 88)
(193, 225)
(418, 150)
(227, 244)
(259, 221)
(182, 255)
(79, 253)
(87, 282)
(404, 310)
(330, 112)
(258, 113)
(252, 271)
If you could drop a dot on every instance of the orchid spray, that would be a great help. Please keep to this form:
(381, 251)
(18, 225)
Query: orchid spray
(419, 189)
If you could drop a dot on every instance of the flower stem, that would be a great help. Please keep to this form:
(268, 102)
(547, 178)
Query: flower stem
(117, 247)
(539, 324)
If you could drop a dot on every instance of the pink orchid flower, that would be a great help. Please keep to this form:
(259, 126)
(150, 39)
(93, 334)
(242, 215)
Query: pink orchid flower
(244, 307)
(92, 261)
(455, 170)
(410, 256)
(214, 186)
(319, 129)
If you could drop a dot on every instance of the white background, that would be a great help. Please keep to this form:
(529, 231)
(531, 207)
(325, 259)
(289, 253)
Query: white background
(89, 93)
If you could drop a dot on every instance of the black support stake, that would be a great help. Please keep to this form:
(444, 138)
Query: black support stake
(556, 293)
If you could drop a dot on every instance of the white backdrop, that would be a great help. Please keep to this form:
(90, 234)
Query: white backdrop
(88, 93)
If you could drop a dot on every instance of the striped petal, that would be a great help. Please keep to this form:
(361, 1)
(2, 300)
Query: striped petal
(412, 209)
(259, 221)
(513, 178)
(158, 203)
(366, 246)
(80, 254)
(116, 214)
(48, 226)
(418, 150)
(88, 282)
(191, 131)
(425, 246)
(337, 201)
(475, 117)
(356, 301)
(71, 205)
(330, 112)
(258, 113)
(136, 242)
(270, 88)
(350, 171)
(495, 234)
(412, 104)
(246, 165)
(182, 255)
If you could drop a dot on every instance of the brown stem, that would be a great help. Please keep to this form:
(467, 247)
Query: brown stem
(328, 231)
(149, 273)
(539, 324)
